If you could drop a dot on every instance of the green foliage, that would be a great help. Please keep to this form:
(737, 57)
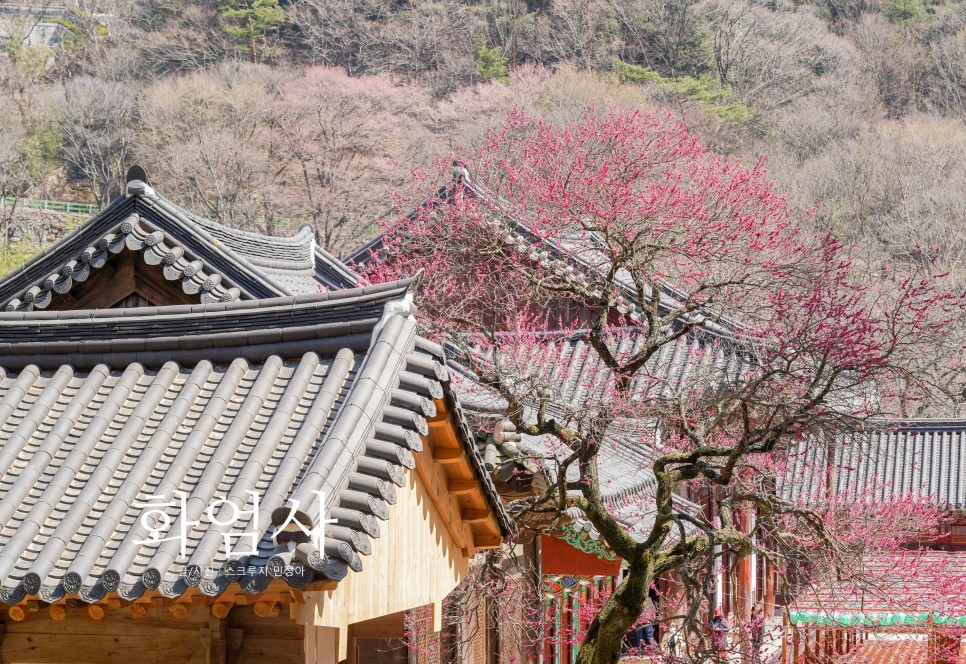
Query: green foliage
(912, 13)
(29, 158)
(15, 254)
(717, 99)
(31, 59)
(905, 10)
(491, 63)
(250, 22)
(41, 148)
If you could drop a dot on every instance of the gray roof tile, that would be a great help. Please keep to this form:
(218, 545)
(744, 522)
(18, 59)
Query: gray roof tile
(887, 460)
(84, 445)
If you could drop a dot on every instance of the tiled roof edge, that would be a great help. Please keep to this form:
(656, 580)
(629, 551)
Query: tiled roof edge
(255, 329)
(149, 196)
(376, 292)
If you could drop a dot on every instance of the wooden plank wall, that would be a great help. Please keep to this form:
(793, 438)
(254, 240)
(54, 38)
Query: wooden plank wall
(414, 563)
(156, 638)
(264, 639)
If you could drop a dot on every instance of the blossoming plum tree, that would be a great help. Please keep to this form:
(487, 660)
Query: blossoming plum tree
(623, 232)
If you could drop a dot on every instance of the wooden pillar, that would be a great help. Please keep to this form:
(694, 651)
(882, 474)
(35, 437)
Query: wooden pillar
(769, 574)
(321, 645)
(216, 641)
(235, 638)
(747, 592)
(785, 636)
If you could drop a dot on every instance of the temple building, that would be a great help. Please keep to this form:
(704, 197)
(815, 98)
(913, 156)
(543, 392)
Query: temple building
(215, 447)
(925, 622)
(886, 461)
(573, 562)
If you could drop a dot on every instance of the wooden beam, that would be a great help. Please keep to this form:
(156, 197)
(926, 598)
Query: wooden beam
(447, 455)
(109, 288)
(267, 609)
(321, 586)
(487, 541)
(448, 451)
(435, 479)
(235, 638)
(149, 282)
(462, 487)
(217, 641)
(220, 609)
(471, 515)
(277, 592)
(81, 289)
(442, 434)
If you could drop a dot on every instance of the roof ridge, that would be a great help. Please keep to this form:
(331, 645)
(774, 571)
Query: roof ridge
(153, 335)
(299, 235)
(54, 268)
(519, 236)
(263, 257)
(141, 190)
(383, 290)
(913, 423)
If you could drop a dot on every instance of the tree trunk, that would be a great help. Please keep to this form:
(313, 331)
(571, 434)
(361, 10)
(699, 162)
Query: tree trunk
(602, 644)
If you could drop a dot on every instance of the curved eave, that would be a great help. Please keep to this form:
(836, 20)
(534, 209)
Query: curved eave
(386, 411)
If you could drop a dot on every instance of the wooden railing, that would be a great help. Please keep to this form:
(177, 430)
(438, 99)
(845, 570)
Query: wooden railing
(64, 207)
(810, 644)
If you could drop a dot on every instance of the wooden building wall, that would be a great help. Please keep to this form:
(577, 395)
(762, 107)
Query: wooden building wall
(414, 563)
(156, 638)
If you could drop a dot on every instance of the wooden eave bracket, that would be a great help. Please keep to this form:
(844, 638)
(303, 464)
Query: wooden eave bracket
(447, 472)
(277, 593)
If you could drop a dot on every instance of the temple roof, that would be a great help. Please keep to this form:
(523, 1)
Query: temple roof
(208, 260)
(885, 461)
(626, 456)
(625, 459)
(103, 410)
(578, 258)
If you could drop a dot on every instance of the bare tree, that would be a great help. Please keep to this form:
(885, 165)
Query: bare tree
(210, 142)
(947, 50)
(894, 62)
(771, 58)
(95, 118)
(892, 190)
(171, 36)
(579, 33)
(344, 144)
(16, 177)
(429, 42)
(345, 33)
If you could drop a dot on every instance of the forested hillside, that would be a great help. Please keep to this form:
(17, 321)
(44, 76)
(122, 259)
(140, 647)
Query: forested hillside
(264, 113)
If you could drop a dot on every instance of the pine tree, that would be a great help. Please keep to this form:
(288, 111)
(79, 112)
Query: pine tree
(252, 21)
